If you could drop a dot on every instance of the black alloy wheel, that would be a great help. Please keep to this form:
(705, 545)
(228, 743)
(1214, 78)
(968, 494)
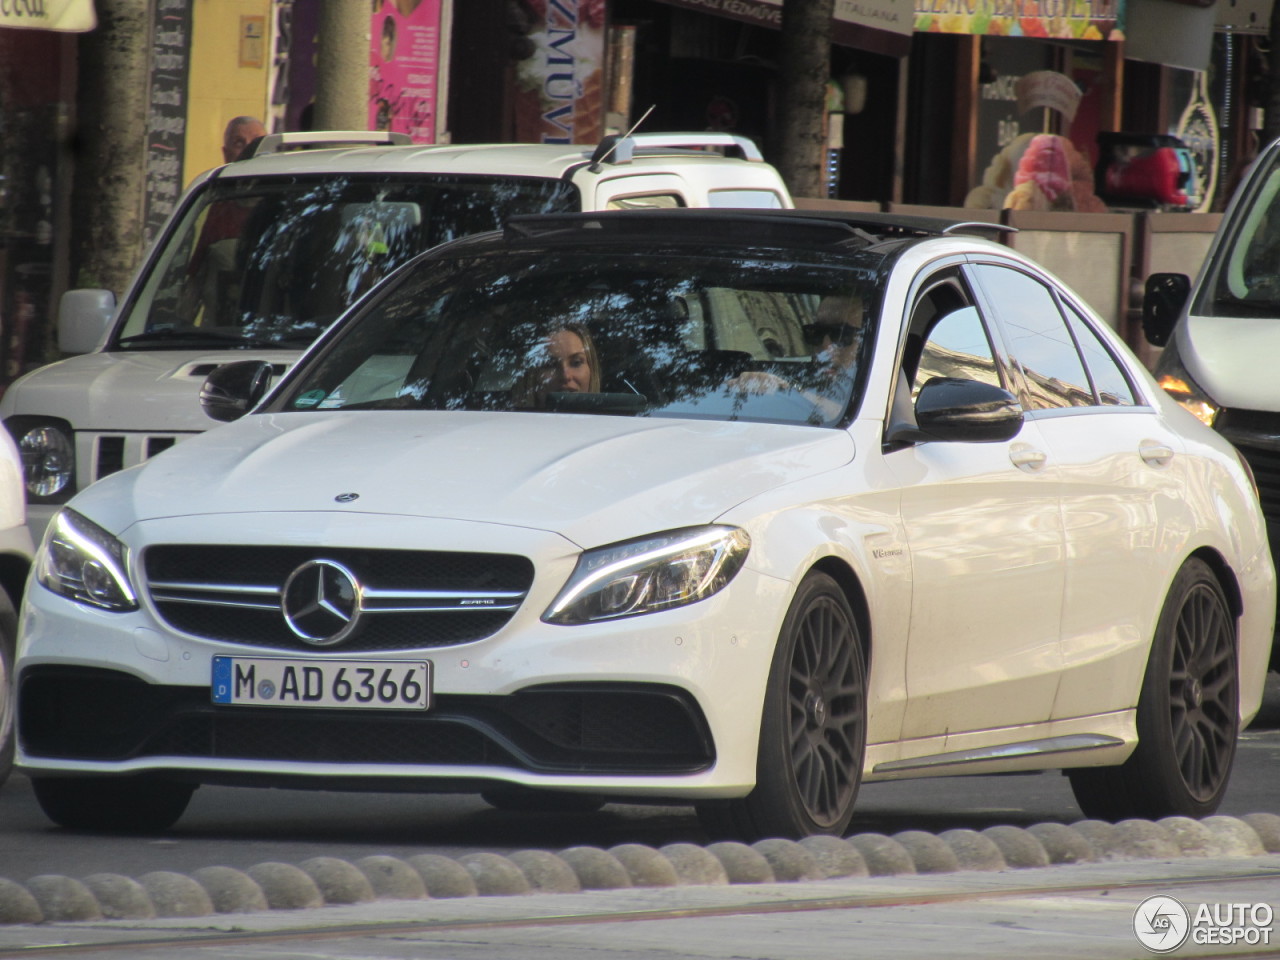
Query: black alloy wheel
(1188, 713)
(813, 730)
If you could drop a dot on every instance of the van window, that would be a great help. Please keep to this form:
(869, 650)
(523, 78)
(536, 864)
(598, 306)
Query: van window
(1244, 278)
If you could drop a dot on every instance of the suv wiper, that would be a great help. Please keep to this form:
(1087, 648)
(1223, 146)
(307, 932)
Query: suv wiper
(199, 336)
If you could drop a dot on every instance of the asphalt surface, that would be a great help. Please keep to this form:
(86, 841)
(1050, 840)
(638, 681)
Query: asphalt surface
(1083, 890)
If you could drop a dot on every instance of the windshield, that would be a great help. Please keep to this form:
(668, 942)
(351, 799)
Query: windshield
(640, 334)
(1245, 275)
(272, 261)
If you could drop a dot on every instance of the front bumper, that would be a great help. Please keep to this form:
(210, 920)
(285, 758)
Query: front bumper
(665, 705)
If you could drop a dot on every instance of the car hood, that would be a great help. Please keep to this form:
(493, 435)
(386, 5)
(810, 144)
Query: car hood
(153, 391)
(593, 479)
(1233, 359)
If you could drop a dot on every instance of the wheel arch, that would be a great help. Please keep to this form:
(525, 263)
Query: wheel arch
(1226, 579)
(847, 579)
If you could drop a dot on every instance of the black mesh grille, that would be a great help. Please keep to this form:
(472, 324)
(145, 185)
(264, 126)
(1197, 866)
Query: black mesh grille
(1252, 432)
(91, 714)
(379, 569)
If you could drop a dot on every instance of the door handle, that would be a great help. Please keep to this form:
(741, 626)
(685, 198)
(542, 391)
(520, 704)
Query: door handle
(1027, 458)
(1155, 454)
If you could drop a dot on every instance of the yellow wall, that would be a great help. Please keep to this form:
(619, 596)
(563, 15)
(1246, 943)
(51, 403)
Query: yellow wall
(218, 87)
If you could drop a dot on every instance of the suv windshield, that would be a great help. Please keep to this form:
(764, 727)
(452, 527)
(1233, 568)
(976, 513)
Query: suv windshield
(1245, 277)
(641, 334)
(272, 261)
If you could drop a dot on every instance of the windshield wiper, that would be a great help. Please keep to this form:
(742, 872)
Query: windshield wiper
(161, 337)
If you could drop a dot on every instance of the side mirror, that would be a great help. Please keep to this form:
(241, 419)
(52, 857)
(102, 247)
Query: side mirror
(963, 411)
(1163, 300)
(233, 389)
(83, 319)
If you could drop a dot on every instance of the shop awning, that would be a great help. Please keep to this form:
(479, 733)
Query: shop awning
(72, 16)
(880, 26)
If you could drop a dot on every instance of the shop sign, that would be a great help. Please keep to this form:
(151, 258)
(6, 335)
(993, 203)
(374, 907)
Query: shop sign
(559, 87)
(1058, 19)
(404, 67)
(72, 16)
(892, 15)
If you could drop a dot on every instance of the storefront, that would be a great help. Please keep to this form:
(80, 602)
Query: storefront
(37, 95)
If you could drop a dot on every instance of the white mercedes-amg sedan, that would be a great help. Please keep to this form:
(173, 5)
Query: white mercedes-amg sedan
(729, 508)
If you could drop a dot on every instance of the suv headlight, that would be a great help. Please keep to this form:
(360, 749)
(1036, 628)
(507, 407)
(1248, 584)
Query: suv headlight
(1176, 381)
(82, 562)
(650, 574)
(48, 450)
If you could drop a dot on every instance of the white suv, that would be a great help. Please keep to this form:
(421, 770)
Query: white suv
(263, 254)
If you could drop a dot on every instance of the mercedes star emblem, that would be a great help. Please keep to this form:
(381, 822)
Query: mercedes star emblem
(321, 602)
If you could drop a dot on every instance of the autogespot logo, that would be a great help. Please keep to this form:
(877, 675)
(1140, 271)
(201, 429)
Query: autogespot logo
(1161, 924)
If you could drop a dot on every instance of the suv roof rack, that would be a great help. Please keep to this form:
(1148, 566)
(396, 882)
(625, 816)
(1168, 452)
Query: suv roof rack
(620, 148)
(279, 142)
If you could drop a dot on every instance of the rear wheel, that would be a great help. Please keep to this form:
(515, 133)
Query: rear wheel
(813, 730)
(101, 804)
(1188, 713)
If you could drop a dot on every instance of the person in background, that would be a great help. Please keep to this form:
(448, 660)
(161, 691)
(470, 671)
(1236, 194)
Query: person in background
(240, 132)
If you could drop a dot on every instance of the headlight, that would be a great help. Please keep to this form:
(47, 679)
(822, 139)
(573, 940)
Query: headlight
(650, 574)
(82, 562)
(1173, 377)
(48, 451)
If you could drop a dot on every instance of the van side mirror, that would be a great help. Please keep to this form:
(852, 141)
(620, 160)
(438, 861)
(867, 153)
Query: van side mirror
(233, 389)
(83, 319)
(1164, 298)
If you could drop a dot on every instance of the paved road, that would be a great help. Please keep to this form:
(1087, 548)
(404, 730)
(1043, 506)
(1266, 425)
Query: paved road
(242, 827)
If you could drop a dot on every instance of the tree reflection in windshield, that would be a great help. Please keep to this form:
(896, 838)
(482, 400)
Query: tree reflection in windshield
(682, 336)
(276, 260)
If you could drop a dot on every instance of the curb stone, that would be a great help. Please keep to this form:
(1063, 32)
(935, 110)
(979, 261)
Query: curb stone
(320, 881)
(973, 850)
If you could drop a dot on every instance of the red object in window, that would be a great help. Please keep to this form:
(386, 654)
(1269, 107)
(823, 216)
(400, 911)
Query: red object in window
(1155, 175)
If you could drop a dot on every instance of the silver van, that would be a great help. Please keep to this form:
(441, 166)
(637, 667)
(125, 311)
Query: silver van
(1221, 333)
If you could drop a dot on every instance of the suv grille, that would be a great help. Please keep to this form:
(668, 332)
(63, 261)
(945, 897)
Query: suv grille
(411, 599)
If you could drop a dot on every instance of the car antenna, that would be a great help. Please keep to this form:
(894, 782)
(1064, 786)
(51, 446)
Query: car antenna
(600, 156)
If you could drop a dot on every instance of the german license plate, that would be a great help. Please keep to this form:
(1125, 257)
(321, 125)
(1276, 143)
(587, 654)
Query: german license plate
(362, 684)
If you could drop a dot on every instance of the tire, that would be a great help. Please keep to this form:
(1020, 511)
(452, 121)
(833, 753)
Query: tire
(8, 685)
(525, 800)
(813, 728)
(106, 805)
(1188, 713)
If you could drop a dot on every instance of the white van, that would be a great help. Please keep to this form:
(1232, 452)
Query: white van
(1221, 333)
(262, 254)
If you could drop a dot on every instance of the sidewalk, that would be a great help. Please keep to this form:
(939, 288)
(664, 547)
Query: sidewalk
(1081, 911)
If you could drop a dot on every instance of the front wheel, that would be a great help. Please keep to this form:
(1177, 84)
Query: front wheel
(106, 805)
(1188, 713)
(813, 729)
